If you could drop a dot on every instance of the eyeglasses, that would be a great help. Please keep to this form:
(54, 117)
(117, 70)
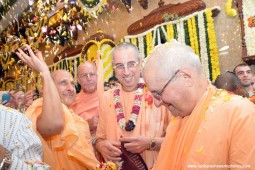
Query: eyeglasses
(121, 66)
(87, 75)
(157, 95)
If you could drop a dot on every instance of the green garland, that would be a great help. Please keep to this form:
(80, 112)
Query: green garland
(145, 46)
(162, 36)
(208, 47)
(186, 32)
(197, 28)
(90, 4)
(175, 31)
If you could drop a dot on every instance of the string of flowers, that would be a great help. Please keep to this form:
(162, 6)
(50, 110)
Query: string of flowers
(203, 48)
(195, 38)
(170, 32)
(249, 26)
(133, 41)
(191, 35)
(130, 125)
(149, 43)
(229, 10)
(203, 44)
(212, 45)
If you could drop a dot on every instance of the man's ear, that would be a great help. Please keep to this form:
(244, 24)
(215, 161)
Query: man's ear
(187, 76)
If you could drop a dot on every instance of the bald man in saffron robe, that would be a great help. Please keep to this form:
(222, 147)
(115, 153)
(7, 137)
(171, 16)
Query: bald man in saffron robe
(127, 113)
(210, 128)
(64, 135)
(86, 104)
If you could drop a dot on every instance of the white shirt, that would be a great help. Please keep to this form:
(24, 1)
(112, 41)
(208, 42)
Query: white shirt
(18, 137)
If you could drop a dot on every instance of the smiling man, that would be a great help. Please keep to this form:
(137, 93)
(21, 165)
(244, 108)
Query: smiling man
(244, 73)
(86, 103)
(64, 135)
(211, 128)
(127, 113)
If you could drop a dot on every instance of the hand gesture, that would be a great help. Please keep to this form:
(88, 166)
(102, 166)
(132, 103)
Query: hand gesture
(136, 144)
(34, 61)
(109, 150)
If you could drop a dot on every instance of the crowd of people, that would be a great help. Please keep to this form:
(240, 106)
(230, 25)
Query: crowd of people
(162, 113)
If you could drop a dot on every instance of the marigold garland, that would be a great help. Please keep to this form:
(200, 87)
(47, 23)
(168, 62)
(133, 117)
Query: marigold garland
(195, 38)
(198, 31)
(170, 32)
(212, 45)
(149, 43)
(229, 10)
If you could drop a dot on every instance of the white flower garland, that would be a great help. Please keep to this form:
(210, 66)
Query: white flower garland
(204, 56)
(248, 11)
(202, 42)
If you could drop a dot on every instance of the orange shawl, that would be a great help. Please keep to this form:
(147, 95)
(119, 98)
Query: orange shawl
(70, 148)
(219, 131)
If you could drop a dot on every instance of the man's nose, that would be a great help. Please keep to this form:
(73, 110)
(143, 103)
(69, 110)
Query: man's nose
(70, 87)
(126, 69)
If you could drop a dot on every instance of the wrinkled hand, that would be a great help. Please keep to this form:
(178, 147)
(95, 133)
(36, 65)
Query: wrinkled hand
(93, 122)
(34, 61)
(136, 144)
(109, 150)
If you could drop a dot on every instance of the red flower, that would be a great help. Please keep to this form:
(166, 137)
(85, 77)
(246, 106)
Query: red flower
(148, 98)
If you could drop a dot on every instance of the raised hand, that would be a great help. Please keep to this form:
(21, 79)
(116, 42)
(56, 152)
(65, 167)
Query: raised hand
(34, 60)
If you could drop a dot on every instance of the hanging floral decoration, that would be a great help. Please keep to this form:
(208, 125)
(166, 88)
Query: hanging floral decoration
(92, 7)
(130, 125)
(249, 26)
(195, 30)
(229, 10)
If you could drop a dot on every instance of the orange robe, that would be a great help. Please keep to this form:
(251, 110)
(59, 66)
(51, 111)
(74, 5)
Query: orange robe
(252, 98)
(87, 105)
(219, 132)
(151, 121)
(71, 148)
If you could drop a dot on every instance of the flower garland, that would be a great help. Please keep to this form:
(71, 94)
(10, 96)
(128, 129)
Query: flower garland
(202, 41)
(212, 45)
(200, 29)
(170, 31)
(107, 166)
(130, 125)
(249, 28)
(229, 10)
(149, 43)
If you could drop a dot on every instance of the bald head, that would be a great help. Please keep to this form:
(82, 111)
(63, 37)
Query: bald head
(173, 74)
(166, 59)
(227, 81)
(87, 77)
(88, 65)
(230, 82)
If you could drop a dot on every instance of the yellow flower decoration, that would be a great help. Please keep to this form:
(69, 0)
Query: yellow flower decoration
(212, 45)
(229, 10)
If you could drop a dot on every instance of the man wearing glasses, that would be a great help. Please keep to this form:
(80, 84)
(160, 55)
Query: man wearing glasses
(211, 128)
(86, 103)
(127, 113)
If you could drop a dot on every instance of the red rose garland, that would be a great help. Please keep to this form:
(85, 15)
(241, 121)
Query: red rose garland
(130, 125)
